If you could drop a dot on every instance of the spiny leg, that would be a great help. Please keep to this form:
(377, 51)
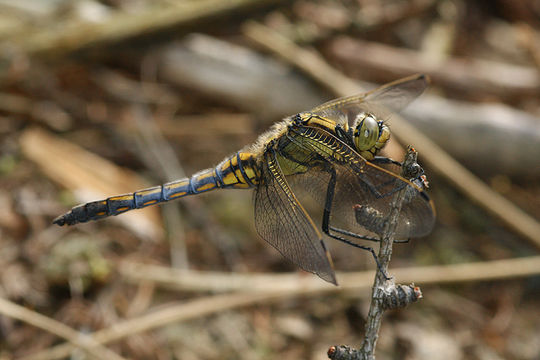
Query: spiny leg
(326, 218)
(383, 160)
(364, 237)
(326, 221)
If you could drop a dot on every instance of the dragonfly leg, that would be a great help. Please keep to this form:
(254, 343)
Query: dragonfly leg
(326, 223)
(364, 237)
(418, 171)
(367, 248)
(383, 160)
(354, 235)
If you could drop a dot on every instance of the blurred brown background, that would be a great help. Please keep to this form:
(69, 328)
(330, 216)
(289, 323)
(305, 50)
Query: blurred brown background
(101, 97)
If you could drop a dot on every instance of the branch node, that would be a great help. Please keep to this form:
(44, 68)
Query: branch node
(343, 352)
(399, 296)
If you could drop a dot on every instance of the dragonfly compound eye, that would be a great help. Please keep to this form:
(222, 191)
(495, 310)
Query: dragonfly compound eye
(366, 132)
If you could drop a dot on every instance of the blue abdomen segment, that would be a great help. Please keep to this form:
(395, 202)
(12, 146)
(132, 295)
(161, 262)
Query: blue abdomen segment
(237, 171)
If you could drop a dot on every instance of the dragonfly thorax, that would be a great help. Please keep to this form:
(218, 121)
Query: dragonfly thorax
(369, 134)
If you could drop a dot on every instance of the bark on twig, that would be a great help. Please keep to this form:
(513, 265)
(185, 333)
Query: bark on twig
(382, 286)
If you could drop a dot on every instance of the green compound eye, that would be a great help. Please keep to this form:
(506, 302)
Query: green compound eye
(366, 132)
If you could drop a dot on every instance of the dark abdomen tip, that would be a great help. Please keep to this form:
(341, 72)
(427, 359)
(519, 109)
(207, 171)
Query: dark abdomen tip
(76, 215)
(60, 221)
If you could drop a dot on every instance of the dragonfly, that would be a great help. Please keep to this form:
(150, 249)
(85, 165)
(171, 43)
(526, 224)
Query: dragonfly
(329, 153)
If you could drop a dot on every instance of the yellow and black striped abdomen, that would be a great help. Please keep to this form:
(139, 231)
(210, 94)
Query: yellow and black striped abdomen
(238, 171)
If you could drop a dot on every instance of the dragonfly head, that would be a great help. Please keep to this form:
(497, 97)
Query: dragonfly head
(369, 135)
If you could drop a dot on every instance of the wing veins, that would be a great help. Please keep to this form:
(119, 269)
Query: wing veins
(290, 230)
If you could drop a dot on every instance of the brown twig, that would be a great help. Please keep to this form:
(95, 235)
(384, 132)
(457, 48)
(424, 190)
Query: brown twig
(77, 35)
(47, 112)
(89, 176)
(382, 285)
(306, 60)
(75, 338)
(507, 147)
(479, 76)
(529, 39)
(437, 158)
(208, 281)
(332, 18)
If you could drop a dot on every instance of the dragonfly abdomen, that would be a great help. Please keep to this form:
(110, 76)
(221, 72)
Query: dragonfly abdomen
(238, 171)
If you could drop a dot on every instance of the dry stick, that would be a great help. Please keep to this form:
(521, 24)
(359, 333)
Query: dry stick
(85, 170)
(297, 284)
(273, 287)
(313, 65)
(529, 39)
(72, 37)
(75, 338)
(381, 284)
(308, 61)
(473, 75)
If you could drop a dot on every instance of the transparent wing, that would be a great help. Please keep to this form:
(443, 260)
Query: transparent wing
(360, 183)
(383, 101)
(283, 222)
